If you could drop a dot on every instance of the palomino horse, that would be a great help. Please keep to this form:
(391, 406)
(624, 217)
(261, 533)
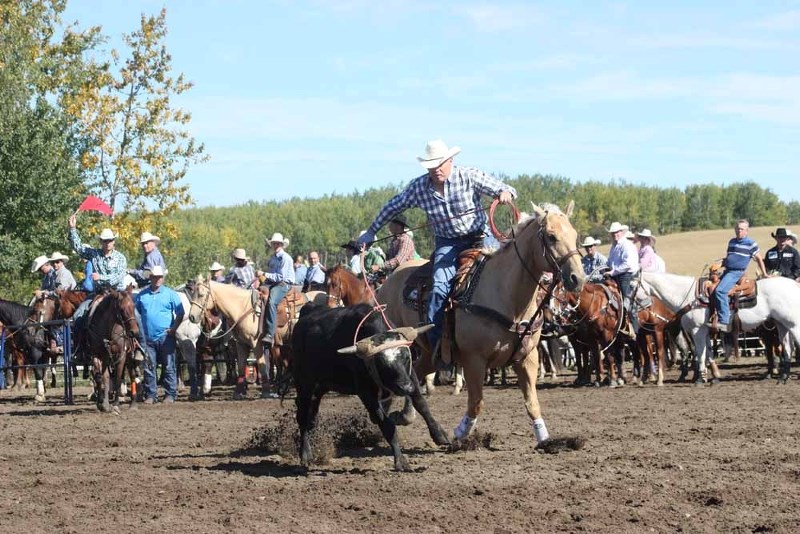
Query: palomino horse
(26, 344)
(777, 300)
(345, 288)
(111, 334)
(507, 287)
(236, 304)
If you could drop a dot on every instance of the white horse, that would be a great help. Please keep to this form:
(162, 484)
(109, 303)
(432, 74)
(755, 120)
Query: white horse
(778, 299)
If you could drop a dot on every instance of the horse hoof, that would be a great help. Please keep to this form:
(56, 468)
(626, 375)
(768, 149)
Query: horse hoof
(39, 398)
(239, 396)
(115, 410)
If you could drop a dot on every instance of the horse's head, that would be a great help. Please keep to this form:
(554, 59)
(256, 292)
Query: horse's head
(559, 240)
(335, 281)
(44, 309)
(200, 299)
(126, 311)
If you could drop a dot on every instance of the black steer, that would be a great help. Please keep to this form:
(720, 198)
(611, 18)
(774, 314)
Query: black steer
(375, 365)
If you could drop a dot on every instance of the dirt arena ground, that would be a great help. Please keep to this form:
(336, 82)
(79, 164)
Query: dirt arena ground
(679, 458)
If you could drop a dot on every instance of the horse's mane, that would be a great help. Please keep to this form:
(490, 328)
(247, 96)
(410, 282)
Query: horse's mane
(13, 313)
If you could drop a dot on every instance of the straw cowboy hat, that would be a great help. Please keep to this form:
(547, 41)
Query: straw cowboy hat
(436, 153)
(645, 233)
(277, 238)
(158, 270)
(107, 235)
(57, 256)
(216, 267)
(590, 241)
(38, 262)
(239, 254)
(147, 236)
(616, 227)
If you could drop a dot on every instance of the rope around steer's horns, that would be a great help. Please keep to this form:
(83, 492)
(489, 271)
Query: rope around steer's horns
(366, 348)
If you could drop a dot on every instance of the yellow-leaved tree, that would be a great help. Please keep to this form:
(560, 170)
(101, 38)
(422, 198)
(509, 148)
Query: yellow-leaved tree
(140, 147)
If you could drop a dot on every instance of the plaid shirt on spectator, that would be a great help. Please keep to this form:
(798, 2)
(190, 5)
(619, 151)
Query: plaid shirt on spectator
(401, 249)
(462, 192)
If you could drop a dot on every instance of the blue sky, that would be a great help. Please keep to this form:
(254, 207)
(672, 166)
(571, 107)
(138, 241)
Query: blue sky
(333, 96)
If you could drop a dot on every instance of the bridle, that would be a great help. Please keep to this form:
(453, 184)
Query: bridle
(555, 263)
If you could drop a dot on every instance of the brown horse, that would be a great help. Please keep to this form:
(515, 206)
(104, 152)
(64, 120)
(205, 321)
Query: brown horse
(346, 289)
(111, 333)
(62, 305)
(507, 288)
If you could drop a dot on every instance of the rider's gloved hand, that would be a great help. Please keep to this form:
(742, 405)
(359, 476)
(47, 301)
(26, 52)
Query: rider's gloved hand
(366, 239)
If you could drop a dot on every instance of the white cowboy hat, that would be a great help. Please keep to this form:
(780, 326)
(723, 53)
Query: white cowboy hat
(158, 270)
(630, 235)
(216, 266)
(590, 241)
(436, 153)
(147, 236)
(38, 262)
(57, 256)
(616, 227)
(239, 254)
(107, 235)
(645, 233)
(277, 238)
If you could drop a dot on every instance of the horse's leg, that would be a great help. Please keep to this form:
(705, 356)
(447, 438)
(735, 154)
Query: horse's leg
(661, 350)
(527, 370)
(106, 388)
(459, 379)
(242, 352)
(38, 374)
(474, 370)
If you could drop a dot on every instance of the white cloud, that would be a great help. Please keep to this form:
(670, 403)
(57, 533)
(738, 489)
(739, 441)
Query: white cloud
(491, 17)
(787, 21)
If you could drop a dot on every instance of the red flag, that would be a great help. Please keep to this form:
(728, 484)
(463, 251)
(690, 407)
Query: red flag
(92, 203)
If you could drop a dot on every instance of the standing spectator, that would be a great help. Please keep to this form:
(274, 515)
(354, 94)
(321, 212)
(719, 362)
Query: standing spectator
(242, 273)
(162, 313)
(152, 257)
(279, 277)
(300, 270)
(216, 272)
(593, 262)
(401, 248)
(315, 277)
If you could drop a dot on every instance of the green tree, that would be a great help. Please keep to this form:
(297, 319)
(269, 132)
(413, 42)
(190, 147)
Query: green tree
(39, 143)
(141, 149)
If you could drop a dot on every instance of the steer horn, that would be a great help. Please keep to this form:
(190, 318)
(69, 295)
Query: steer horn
(411, 333)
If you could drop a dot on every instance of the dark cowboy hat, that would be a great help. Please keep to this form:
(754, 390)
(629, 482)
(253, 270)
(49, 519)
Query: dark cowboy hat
(780, 232)
(399, 219)
(351, 245)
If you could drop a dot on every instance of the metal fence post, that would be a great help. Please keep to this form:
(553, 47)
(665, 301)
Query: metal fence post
(3, 359)
(68, 362)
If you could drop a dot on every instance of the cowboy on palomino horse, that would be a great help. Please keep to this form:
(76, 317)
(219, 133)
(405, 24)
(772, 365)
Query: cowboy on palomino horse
(450, 196)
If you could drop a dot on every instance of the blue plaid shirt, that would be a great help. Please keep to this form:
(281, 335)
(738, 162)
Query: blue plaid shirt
(462, 192)
(111, 268)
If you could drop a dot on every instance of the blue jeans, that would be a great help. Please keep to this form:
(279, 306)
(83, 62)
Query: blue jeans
(727, 282)
(445, 259)
(141, 338)
(626, 289)
(276, 294)
(160, 351)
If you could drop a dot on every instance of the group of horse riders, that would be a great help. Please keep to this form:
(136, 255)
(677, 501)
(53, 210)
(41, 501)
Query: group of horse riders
(450, 196)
